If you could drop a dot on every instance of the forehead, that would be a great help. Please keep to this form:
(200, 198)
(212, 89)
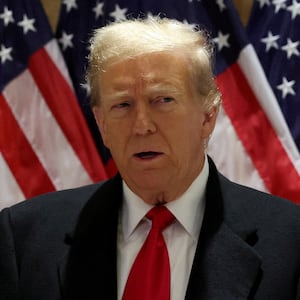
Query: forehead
(162, 68)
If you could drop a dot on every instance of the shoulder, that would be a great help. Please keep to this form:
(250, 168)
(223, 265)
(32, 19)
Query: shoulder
(61, 207)
(242, 201)
(263, 209)
(74, 197)
(253, 196)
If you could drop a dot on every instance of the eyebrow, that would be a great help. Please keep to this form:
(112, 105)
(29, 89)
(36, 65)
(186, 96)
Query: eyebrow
(119, 94)
(157, 85)
(163, 87)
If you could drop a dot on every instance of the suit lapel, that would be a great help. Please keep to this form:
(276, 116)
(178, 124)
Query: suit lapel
(89, 270)
(225, 266)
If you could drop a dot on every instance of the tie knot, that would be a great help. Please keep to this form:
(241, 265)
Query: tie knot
(161, 217)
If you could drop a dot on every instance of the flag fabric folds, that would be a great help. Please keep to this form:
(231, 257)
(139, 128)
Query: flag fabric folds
(45, 144)
(274, 32)
(253, 143)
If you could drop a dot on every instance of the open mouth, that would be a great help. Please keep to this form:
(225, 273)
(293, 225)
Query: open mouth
(147, 154)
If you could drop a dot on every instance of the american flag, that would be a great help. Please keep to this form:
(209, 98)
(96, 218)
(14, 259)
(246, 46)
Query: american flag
(45, 144)
(263, 154)
(252, 143)
(274, 30)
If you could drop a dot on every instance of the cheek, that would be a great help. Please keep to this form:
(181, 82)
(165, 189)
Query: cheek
(194, 125)
(99, 116)
(104, 134)
(193, 134)
(185, 134)
(108, 138)
(115, 137)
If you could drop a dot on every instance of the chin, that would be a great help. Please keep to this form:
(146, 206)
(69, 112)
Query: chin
(147, 181)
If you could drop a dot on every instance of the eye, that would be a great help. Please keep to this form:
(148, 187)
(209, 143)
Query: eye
(167, 99)
(164, 100)
(121, 105)
(120, 109)
(164, 103)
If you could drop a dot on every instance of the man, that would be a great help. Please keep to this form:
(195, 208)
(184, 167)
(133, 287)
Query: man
(156, 103)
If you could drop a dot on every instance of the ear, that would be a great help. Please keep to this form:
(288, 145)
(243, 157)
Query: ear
(209, 122)
(100, 120)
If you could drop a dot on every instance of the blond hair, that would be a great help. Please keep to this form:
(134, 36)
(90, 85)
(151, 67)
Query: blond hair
(130, 38)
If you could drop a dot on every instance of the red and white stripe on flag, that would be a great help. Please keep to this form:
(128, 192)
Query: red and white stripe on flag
(45, 144)
(251, 143)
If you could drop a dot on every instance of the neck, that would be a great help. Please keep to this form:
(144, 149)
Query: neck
(161, 196)
(159, 192)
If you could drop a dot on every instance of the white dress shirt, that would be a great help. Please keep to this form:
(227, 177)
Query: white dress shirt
(181, 236)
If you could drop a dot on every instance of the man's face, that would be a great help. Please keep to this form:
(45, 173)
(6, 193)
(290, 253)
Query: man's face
(153, 124)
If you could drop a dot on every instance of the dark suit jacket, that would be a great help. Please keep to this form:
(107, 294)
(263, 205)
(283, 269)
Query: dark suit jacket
(62, 245)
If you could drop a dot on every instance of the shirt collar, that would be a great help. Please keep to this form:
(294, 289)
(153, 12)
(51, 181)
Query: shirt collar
(188, 208)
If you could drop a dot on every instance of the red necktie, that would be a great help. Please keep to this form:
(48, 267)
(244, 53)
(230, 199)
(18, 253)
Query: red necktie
(149, 278)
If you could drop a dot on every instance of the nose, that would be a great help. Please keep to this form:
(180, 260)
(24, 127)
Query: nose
(143, 122)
